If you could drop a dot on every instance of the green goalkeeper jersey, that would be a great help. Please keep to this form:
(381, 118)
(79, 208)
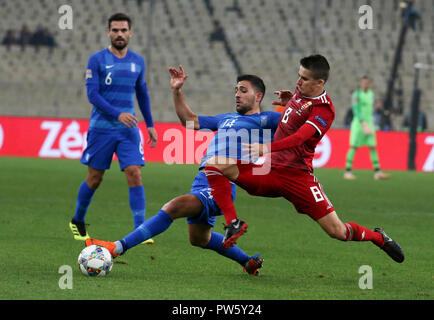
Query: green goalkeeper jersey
(363, 105)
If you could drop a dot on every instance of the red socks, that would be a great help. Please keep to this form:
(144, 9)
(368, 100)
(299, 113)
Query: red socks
(356, 232)
(221, 191)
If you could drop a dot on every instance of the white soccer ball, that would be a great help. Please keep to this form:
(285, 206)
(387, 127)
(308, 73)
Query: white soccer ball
(95, 261)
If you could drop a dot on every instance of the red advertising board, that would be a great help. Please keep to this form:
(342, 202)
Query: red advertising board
(66, 138)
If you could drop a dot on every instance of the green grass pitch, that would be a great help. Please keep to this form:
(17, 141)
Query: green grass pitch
(37, 201)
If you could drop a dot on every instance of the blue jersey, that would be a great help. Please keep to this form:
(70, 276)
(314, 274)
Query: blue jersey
(111, 83)
(233, 129)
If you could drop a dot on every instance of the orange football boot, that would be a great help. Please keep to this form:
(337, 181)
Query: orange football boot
(110, 246)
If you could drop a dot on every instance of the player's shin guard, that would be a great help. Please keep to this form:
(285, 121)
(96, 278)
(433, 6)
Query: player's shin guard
(374, 158)
(137, 204)
(234, 253)
(151, 227)
(349, 158)
(221, 191)
(356, 232)
(84, 198)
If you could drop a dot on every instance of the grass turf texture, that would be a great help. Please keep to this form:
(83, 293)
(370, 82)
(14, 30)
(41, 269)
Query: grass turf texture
(37, 201)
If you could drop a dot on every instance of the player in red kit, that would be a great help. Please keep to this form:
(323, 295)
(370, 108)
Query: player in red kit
(307, 116)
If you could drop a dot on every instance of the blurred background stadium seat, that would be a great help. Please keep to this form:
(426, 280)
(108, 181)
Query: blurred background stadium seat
(264, 37)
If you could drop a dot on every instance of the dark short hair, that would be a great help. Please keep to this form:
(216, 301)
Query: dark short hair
(255, 81)
(119, 17)
(318, 65)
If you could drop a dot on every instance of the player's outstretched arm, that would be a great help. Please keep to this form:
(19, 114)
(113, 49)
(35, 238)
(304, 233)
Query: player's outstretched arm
(177, 80)
(296, 139)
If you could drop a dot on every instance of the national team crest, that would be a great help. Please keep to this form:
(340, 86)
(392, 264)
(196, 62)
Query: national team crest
(303, 107)
(306, 105)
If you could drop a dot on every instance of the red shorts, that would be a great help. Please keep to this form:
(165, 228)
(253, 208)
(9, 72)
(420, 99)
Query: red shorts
(298, 186)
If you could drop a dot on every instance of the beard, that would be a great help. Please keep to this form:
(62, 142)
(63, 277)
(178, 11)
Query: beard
(242, 109)
(246, 106)
(121, 45)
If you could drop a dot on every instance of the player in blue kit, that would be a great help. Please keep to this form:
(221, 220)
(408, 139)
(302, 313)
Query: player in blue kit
(199, 206)
(113, 76)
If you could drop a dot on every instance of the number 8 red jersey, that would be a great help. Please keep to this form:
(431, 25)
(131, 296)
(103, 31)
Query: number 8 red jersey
(317, 112)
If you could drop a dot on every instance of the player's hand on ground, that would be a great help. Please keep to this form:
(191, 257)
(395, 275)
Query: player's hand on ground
(255, 150)
(128, 119)
(153, 137)
(284, 96)
(177, 77)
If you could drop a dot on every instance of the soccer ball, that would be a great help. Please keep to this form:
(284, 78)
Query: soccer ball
(95, 261)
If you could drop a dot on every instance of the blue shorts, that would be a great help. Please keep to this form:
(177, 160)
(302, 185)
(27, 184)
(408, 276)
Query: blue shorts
(101, 145)
(200, 188)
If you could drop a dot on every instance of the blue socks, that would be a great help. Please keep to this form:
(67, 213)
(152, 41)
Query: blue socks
(137, 204)
(160, 223)
(234, 253)
(84, 198)
(151, 227)
(136, 196)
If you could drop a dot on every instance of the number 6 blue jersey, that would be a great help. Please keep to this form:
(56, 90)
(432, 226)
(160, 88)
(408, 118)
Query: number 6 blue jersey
(111, 83)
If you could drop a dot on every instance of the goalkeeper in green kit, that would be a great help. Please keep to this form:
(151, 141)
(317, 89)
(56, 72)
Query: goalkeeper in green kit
(362, 129)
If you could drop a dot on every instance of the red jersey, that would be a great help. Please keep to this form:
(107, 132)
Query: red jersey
(318, 112)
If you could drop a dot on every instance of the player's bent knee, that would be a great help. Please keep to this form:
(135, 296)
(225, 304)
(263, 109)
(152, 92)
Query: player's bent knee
(134, 176)
(94, 180)
(185, 206)
(337, 233)
(199, 235)
(172, 209)
(175, 208)
(227, 166)
(200, 242)
(94, 184)
(333, 226)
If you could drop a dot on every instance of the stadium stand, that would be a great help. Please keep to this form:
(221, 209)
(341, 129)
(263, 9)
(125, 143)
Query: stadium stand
(266, 38)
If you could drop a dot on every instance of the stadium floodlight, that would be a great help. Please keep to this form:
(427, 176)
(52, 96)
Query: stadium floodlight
(414, 113)
(409, 16)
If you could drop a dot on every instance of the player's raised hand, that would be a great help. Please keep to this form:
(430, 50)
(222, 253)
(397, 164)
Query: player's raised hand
(177, 77)
(153, 137)
(284, 96)
(128, 119)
